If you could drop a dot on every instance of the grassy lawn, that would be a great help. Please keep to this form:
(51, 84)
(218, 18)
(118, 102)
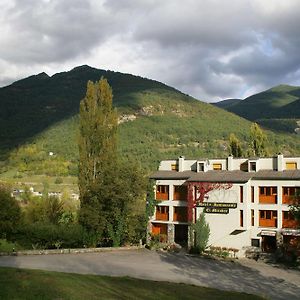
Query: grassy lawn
(33, 284)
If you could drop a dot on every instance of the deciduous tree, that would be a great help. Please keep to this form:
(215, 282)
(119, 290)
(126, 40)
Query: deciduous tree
(9, 211)
(235, 146)
(257, 140)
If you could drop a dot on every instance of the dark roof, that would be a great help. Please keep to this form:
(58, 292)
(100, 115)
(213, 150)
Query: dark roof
(228, 176)
(221, 176)
(279, 175)
(172, 175)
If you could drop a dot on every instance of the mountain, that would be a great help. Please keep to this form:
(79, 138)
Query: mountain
(276, 108)
(39, 115)
(225, 104)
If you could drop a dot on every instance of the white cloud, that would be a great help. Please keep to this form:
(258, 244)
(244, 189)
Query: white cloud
(211, 49)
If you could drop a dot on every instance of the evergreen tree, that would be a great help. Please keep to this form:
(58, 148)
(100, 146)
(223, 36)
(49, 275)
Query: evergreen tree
(257, 140)
(235, 146)
(201, 233)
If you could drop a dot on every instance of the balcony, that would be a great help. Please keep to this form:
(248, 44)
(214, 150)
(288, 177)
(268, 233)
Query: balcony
(293, 224)
(272, 199)
(162, 196)
(268, 218)
(162, 192)
(180, 193)
(289, 194)
(162, 213)
(180, 214)
(268, 222)
(268, 194)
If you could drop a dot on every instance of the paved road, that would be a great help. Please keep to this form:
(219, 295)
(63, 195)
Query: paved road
(246, 276)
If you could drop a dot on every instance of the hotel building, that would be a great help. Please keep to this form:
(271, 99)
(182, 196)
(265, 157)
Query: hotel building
(245, 200)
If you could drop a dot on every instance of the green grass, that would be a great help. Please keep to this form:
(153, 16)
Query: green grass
(33, 284)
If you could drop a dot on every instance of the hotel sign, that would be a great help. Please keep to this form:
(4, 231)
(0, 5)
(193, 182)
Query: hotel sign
(218, 204)
(216, 210)
(217, 207)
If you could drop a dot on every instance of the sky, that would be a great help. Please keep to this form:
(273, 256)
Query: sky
(209, 49)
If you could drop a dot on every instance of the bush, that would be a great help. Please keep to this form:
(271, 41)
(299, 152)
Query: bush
(58, 180)
(51, 236)
(201, 234)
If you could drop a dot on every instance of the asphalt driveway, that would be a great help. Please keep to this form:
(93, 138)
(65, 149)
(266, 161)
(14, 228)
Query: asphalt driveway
(245, 275)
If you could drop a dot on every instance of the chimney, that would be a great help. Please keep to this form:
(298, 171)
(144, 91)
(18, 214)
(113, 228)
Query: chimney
(230, 163)
(181, 163)
(280, 162)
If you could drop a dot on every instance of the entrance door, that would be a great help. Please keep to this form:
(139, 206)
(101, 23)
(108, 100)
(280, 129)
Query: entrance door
(269, 244)
(181, 234)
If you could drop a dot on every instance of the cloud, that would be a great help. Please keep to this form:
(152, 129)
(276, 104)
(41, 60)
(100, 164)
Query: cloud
(210, 49)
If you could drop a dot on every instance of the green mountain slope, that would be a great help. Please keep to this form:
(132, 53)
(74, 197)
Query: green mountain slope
(225, 104)
(276, 108)
(40, 115)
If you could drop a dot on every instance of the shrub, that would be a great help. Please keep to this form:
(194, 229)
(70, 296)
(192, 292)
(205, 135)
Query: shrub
(201, 234)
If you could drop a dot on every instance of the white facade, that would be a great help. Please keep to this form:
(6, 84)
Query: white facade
(257, 189)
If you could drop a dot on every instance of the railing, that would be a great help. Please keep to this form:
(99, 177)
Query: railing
(268, 222)
(162, 216)
(268, 199)
(180, 196)
(162, 196)
(287, 199)
(290, 224)
(180, 214)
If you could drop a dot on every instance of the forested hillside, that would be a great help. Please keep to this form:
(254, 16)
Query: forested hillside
(277, 108)
(38, 115)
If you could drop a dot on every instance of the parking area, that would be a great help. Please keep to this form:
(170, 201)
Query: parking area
(244, 275)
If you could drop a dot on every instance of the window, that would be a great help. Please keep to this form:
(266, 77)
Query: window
(252, 194)
(289, 194)
(201, 167)
(163, 209)
(217, 167)
(291, 166)
(241, 218)
(163, 189)
(268, 194)
(162, 213)
(288, 220)
(180, 214)
(180, 192)
(174, 167)
(253, 166)
(288, 216)
(268, 214)
(255, 243)
(162, 192)
(252, 217)
(268, 218)
(241, 194)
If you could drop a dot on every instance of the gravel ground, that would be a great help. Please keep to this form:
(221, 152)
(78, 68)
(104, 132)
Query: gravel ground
(243, 275)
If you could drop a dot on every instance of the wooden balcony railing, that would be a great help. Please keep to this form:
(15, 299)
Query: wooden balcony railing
(180, 214)
(162, 216)
(180, 193)
(286, 199)
(180, 196)
(162, 196)
(272, 199)
(290, 224)
(268, 222)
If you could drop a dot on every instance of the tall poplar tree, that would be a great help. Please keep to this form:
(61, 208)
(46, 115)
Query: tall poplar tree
(235, 146)
(111, 190)
(257, 140)
(97, 151)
